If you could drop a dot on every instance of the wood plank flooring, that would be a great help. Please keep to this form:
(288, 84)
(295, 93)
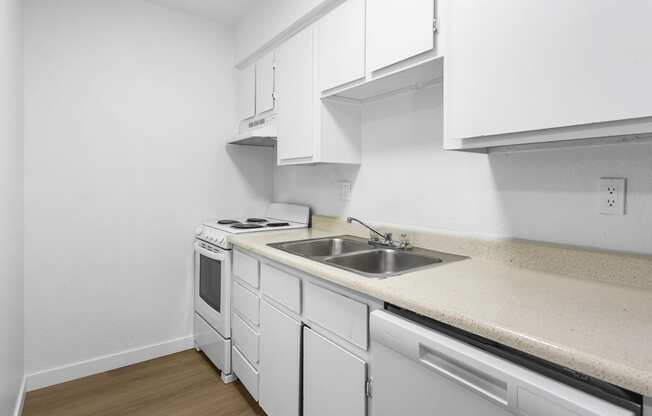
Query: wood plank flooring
(183, 384)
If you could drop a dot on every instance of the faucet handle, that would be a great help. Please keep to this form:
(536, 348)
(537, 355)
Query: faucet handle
(388, 236)
(405, 240)
(373, 236)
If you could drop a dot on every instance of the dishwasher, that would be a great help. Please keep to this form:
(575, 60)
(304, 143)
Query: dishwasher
(421, 367)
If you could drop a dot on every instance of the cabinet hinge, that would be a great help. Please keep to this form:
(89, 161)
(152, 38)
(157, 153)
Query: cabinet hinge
(435, 25)
(368, 387)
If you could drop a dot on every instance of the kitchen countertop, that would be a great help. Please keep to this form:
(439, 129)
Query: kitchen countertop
(603, 330)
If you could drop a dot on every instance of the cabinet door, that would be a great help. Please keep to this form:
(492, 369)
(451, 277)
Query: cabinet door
(333, 379)
(340, 45)
(397, 30)
(527, 65)
(265, 84)
(280, 361)
(247, 93)
(296, 97)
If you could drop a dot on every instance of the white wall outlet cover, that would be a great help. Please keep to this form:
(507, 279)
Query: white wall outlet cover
(345, 191)
(613, 192)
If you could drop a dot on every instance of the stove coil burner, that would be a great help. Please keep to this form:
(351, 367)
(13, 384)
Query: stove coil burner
(256, 220)
(278, 224)
(246, 226)
(228, 222)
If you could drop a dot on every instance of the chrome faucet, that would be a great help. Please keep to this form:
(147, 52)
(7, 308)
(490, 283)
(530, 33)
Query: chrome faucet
(386, 238)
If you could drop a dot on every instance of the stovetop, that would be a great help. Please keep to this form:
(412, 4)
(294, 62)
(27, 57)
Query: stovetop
(278, 217)
(252, 224)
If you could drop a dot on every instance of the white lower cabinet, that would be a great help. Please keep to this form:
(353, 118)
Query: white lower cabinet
(314, 369)
(333, 378)
(280, 362)
(245, 338)
(246, 372)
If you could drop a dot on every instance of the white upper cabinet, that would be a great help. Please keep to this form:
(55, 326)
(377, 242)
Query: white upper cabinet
(256, 88)
(398, 30)
(296, 100)
(265, 84)
(341, 45)
(247, 93)
(530, 71)
(309, 130)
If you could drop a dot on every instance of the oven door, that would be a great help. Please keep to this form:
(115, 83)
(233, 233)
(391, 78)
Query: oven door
(213, 286)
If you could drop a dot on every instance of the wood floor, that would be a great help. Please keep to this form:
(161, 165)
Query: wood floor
(177, 385)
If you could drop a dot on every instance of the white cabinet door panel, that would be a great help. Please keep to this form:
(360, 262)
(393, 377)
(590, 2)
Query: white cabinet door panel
(333, 379)
(296, 97)
(247, 93)
(246, 303)
(246, 373)
(281, 286)
(342, 316)
(245, 338)
(245, 268)
(341, 45)
(398, 30)
(526, 65)
(280, 362)
(265, 84)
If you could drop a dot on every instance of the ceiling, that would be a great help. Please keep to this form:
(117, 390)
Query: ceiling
(222, 11)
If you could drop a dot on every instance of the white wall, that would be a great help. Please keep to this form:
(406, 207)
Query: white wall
(405, 178)
(268, 19)
(128, 106)
(11, 205)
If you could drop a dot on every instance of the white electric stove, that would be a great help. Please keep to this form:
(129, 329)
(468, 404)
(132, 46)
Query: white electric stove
(213, 257)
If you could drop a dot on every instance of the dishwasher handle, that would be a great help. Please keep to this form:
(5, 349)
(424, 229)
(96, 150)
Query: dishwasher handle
(492, 387)
(443, 355)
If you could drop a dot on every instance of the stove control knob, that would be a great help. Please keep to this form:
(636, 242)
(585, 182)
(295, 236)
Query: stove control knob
(199, 230)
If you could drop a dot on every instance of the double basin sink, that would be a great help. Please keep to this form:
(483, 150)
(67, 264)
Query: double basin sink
(359, 256)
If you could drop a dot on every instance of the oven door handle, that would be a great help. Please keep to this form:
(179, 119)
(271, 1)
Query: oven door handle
(208, 253)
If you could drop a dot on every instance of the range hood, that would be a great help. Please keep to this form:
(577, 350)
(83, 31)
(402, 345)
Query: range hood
(261, 132)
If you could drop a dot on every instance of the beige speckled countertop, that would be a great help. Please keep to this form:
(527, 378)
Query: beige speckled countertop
(600, 329)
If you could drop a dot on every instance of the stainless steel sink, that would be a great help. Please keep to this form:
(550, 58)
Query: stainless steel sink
(324, 247)
(382, 262)
(358, 256)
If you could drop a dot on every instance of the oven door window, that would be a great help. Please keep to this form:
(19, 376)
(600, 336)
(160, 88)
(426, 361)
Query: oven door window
(210, 282)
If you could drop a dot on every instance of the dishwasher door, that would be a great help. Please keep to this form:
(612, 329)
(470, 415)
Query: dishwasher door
(418, 371)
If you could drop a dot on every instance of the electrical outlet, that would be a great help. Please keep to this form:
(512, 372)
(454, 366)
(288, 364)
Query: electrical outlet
(613, 192)
(345, 191)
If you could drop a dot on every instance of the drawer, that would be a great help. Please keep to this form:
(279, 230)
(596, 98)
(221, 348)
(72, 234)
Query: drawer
(343, 316)
(282, 287)
(245, 268)
(216, 348)
(246, 373)
(245, 338)
(246, 303)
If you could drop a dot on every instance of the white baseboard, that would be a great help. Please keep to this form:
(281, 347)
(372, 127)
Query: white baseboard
(20, 400)
(108, 362)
